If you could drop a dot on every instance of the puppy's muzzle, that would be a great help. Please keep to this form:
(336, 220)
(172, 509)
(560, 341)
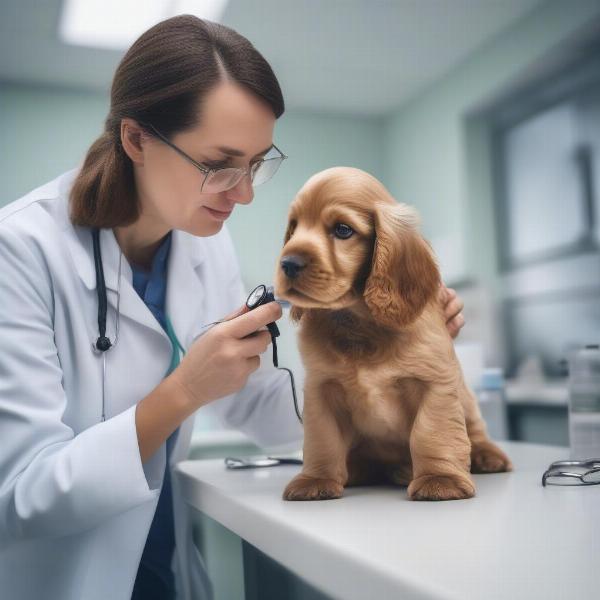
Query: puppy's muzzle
(292, 265)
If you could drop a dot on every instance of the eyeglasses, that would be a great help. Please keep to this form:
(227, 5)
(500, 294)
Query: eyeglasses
(221, 179)
(565, 472)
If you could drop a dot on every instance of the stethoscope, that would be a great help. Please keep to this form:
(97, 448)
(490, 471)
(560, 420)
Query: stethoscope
(103, 344)
(261, 294)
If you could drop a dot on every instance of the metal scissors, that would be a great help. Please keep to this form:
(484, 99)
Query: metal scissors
(562, 472)
(251, 462)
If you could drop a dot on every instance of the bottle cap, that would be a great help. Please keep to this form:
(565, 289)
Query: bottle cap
(492, 379)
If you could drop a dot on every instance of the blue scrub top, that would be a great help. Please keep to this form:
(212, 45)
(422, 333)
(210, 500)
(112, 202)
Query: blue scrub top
(155, 579)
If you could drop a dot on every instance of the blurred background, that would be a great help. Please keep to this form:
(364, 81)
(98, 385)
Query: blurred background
(484, 114)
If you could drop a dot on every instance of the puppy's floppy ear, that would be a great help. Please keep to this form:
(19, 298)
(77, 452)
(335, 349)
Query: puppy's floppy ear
(404, 275)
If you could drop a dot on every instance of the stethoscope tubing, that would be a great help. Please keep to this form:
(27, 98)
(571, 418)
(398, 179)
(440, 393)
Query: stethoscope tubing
(103, 344)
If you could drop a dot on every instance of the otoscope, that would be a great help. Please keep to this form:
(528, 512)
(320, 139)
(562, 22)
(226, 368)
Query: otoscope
(260, 295)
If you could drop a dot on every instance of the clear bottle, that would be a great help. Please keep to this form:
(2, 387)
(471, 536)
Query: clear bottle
(584, 402)
(492, 403)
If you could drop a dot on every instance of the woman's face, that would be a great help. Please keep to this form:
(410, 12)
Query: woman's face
(235, 129)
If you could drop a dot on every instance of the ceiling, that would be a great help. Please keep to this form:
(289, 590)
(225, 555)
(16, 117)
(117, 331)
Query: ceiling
(349, 56)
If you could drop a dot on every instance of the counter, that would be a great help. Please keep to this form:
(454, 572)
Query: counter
(514, 540)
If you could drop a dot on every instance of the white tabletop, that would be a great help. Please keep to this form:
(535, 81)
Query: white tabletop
(515, 539)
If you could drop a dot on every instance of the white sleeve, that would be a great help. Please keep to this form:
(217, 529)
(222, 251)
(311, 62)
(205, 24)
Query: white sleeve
(264, 408)
(52, 482)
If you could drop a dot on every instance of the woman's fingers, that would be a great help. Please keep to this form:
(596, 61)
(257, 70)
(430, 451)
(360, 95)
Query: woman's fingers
(453, 306)
(240, 311)
(452, 303)
(256, 343)
(443, 293)
(250, 321)
(455, 325)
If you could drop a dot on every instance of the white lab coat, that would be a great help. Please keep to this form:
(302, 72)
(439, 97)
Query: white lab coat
(76, 502)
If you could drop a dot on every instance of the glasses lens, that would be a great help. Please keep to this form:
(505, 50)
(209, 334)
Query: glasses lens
(592, 476)
(222, 180)
(562, 478)
(265, 169)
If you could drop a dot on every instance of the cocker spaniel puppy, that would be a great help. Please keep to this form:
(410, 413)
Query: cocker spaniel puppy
(384, 396)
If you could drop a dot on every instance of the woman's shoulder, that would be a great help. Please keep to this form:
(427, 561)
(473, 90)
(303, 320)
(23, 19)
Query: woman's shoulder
(42, 208)
(34, 226)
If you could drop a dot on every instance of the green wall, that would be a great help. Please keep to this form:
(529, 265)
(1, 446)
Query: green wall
(46, 131)
(433, 155)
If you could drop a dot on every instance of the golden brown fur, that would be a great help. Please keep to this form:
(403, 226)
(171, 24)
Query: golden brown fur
(384, 396)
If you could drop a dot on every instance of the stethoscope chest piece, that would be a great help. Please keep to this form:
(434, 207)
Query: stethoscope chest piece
(102, 344)
(260, 295)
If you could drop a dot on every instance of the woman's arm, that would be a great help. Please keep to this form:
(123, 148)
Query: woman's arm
(264, 408)
(159, 414)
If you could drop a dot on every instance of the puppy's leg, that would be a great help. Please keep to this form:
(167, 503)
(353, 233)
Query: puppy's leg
(486, 457)
(326, 441)
(440, 447)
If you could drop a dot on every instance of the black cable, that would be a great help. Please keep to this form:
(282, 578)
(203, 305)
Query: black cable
(275, 362)
(293, 393)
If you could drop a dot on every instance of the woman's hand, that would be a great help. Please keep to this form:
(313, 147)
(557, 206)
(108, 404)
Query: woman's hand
(220, 361)
(453, 306)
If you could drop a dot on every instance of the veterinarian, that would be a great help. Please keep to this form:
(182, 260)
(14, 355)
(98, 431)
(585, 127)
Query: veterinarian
(109, 273)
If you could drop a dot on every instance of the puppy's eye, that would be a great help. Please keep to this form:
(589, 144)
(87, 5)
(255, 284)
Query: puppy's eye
(343, 231)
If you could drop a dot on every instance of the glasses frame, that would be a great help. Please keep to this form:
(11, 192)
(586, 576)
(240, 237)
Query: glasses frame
(556, 470)
(208, 170)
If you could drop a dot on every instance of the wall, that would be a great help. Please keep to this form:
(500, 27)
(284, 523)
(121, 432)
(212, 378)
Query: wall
(428, 157)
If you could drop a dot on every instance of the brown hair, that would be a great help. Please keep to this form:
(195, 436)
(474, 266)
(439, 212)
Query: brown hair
(160, 81)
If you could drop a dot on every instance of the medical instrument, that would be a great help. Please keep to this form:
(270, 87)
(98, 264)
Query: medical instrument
(250, 462)
(103, 343)
(563, 472)
(260, 295)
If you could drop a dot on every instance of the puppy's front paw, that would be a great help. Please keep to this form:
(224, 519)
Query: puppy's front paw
(488, 458)
(440, 487)
(303, 487)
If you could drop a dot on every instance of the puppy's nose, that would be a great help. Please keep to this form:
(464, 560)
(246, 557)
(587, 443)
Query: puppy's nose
(292, 265)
